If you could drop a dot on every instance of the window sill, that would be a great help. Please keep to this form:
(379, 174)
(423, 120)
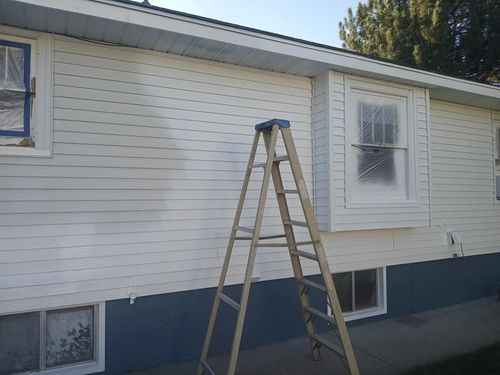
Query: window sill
(79, 369)
(24, 151)
(385, 204)
(366, 313)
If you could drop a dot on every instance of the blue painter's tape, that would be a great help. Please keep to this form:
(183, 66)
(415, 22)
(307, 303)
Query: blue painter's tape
(269, 124)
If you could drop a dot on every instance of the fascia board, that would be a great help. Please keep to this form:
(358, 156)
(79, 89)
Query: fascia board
(342, 61)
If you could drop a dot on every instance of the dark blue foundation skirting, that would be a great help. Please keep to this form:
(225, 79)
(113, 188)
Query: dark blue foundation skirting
(170, 327)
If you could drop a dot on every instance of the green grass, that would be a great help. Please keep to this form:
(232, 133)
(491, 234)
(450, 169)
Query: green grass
(485, 361)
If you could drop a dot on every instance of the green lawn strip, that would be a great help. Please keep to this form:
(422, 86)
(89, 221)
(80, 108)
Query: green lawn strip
(484, 361)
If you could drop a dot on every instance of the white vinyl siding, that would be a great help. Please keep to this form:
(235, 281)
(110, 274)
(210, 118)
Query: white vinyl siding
(149, 157)
(462, 180)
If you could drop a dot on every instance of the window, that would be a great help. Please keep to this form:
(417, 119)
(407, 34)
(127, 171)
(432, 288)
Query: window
(15, 89)
(370, 154)
(361, 293)
(63, 340)
(497, 160)
(25, 93)
(379, 149)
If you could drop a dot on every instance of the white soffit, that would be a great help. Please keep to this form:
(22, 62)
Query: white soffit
(131, 24)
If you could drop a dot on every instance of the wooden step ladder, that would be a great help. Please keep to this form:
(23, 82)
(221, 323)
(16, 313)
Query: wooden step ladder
(342, 347)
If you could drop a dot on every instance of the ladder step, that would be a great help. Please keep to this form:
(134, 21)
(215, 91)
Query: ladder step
(282, 244)
(287, 191)
(262, 237)
(304, 243)
(281, 158)
(296, 223)
(207, 367)
(271, 237)
(320, 314)
(272, 244)
(277, 159)
(229, 301)
(244, 229)
(311, 284)
(304, 254)
(330, 345)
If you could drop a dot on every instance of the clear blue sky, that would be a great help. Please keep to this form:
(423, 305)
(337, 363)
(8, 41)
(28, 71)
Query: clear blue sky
(313, 20)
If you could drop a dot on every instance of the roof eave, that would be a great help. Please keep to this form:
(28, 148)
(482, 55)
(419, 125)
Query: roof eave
(441, 86)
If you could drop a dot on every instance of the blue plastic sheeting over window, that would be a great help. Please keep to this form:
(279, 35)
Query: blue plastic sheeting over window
(15, 94)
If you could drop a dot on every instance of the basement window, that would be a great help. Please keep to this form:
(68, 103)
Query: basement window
(361, 293)
(62, 341)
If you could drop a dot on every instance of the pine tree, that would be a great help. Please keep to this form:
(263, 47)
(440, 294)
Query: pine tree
(457, 37)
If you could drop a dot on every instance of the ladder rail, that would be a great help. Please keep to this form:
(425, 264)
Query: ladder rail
(319, 250)
(270, 131)
(227, 258)
(251, 256)
(292, 247)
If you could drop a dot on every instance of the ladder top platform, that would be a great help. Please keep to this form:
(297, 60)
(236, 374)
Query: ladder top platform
(269, 124)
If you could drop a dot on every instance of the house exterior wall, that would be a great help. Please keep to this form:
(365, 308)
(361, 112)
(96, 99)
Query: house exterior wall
(149, 152)
(148, 159)
(459, 185)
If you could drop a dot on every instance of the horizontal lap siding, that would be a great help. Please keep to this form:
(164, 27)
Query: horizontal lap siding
(149, 157)
(462, 176)
(459, 188)
(461, 199)
(368, 218)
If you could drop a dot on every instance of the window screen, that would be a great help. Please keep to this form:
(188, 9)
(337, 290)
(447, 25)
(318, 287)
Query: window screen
(365, 289)
(15, 96)
(358, 290)
(44, 340)
(70, 336)
(19, 343)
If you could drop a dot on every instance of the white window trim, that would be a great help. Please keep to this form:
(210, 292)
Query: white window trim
(83, 368)
(42, 52)
(381, 307)
(409, 95)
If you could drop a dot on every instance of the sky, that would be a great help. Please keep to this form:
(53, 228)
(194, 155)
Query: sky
(312, 20)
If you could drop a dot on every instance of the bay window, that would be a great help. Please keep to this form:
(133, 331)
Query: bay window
(371, 154)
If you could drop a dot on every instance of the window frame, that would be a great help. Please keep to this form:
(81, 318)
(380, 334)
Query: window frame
(496, 154)
(80, 368)
(358, 86)
(26, 47)
(41, 105)
(381, 307)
